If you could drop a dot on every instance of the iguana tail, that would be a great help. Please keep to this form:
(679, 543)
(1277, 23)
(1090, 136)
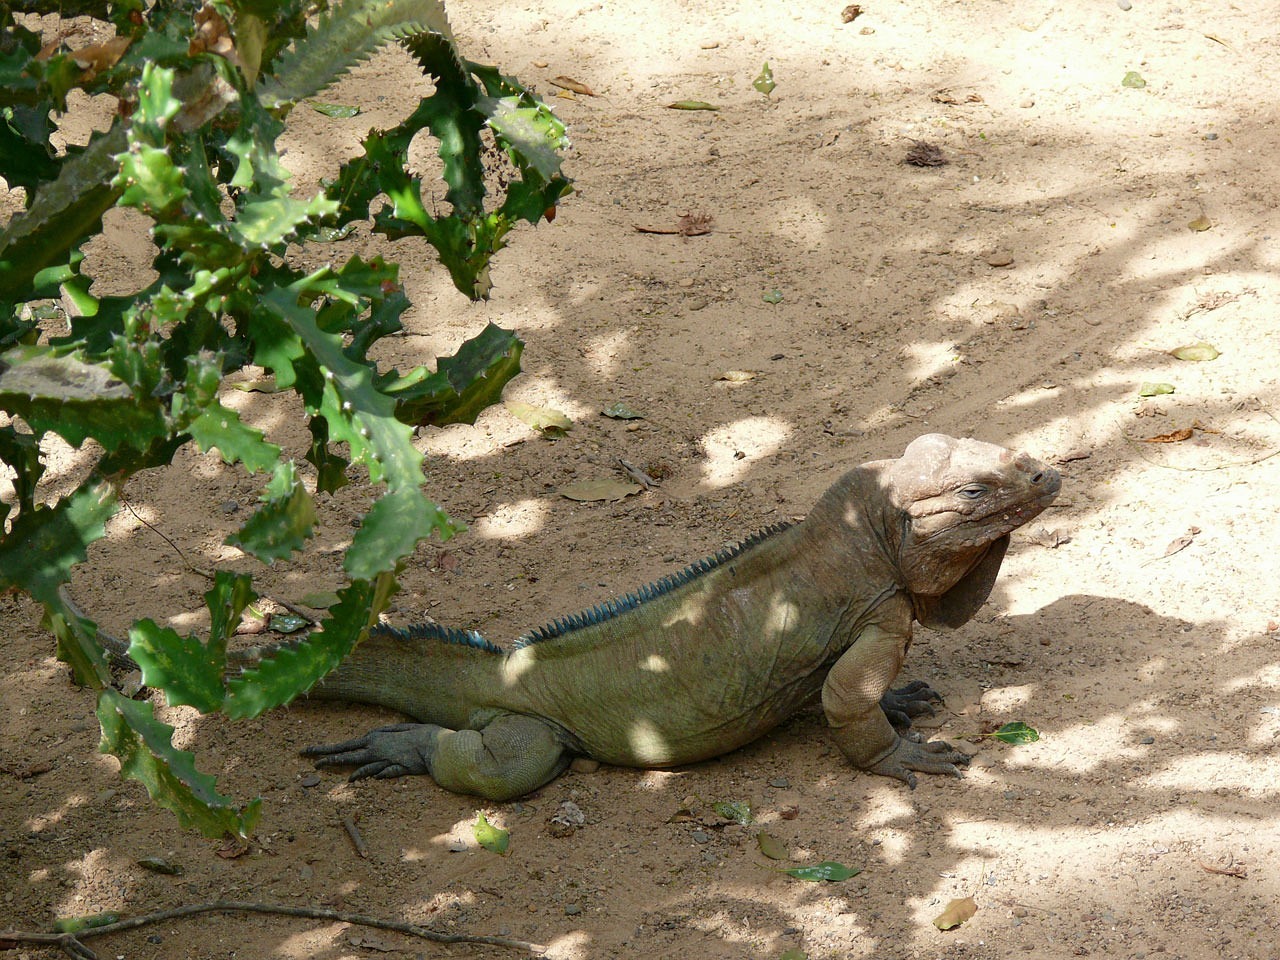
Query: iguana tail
(431, 673)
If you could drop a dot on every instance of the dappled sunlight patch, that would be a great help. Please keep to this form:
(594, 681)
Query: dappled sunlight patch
(781, 614)
(602, 352)
(648, 744)
(1245, 773)
(930, 359)
(731, 448)
(655, 664)
(1001, 700)
(658, 780)
(1084, 747)
(52, 818)
(799, 219)
(1267, 678)
(512, 521)
(570, 946)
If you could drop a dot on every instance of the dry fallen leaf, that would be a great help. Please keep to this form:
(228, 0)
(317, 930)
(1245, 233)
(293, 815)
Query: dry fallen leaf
(924, 154)
(956, 913)
(1182, 542)
(1175, 437)
(771, 846)
(590, 491)
(1230, 870)
(100, 57)
(577, 86)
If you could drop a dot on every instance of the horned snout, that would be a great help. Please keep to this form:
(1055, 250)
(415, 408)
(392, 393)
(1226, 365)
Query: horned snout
(1047, 479)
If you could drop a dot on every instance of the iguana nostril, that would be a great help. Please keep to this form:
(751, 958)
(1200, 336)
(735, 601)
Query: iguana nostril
(1038, 478)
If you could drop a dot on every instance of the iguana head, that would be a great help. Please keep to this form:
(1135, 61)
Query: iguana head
(956, 502)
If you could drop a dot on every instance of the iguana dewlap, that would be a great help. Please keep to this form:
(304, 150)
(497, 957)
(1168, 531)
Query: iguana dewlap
(706, 660)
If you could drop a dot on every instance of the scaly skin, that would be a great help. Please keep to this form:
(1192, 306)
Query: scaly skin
(717, 658)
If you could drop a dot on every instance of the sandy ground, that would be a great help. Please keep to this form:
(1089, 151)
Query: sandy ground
(1022, 292)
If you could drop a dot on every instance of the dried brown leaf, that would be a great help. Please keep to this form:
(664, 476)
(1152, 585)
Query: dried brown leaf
(924, 154)
(1177, 436)
(1230, 870)
(1182, 542)
(99, 57)
(590, 491)
(956, 913)
(577, 86)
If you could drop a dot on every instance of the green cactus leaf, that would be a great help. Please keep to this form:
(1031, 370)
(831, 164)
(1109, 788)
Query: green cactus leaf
(391, 530)
(356, 411)
(183, 667)
(188, 670)
(343, 37)
(531, 130)
(63, 213)
(42, 545)
(297, 667)
(463, 384)
(65, 395)
(216, 426)
(144, 746)
(283, 523)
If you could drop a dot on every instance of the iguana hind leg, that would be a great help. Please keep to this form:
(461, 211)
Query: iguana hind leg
(506, 757)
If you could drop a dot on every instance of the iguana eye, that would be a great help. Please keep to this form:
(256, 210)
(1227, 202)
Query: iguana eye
(973, 491)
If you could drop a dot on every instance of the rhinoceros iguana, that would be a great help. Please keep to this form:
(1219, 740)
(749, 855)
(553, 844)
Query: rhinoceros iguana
(707, 659)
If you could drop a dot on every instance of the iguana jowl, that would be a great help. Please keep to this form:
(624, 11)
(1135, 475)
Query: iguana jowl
(706, 660)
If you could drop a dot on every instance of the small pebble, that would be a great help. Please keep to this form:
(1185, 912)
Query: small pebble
(1001, 258)
(700, 836)
(310, 780)
(1211, 136)
(1027, 104)
(1147, 741)
(1124, 4)
(573, 909)
(780, 782)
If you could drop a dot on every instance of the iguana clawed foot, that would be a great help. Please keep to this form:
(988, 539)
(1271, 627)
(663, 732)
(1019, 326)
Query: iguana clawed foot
(398, 750)
(913, 700)
(911, 753)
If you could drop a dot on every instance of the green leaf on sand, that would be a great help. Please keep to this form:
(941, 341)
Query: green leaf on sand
(828, 870)
(620, 411)
(551, 422)
(1154, 389)
(739, 811)
(764, 82)
(339, 111)
(692, 105)
(492, 838)
(1016, 733)
(1197, 352)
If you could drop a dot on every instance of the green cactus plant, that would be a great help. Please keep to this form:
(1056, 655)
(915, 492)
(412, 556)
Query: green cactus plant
(204, 92)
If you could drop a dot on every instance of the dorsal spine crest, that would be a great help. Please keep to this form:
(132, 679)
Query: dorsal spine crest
(610, 609)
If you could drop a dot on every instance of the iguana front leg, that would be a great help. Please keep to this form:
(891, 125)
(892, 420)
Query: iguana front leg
(913, 700)
(507, 757)
(851, 699)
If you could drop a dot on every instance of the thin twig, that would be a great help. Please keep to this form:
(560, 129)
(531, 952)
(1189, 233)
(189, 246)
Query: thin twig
(70, 943)
(638, 475)
(209, 574)
(362, 848)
